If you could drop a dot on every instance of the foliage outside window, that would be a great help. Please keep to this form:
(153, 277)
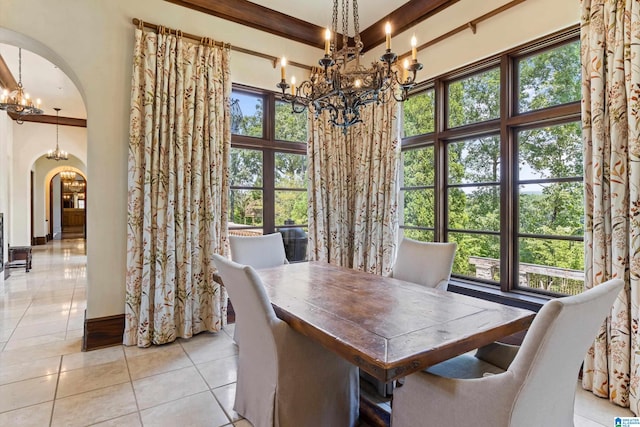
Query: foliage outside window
(511, 184)
(419, 114)
(290, 126)
(474, 99)
(268, 173)
(247, 114)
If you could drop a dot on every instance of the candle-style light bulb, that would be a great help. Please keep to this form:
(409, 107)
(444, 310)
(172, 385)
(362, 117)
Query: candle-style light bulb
(405, 70)
(414, 49)
(387, 32)
(283, 64)
(293, 85)
(327, 41)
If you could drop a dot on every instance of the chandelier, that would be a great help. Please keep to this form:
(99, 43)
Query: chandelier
(57, 154)
(68, 175)
(341, 85)
(17, 101)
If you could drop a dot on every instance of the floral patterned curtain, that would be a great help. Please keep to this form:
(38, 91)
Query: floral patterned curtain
(610, 44)
(352, 192)
(179, 144)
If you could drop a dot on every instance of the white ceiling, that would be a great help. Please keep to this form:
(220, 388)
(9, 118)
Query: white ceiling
(320, 12)
(41, 79)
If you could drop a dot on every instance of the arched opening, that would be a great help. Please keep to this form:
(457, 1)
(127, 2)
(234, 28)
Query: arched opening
(67, 204)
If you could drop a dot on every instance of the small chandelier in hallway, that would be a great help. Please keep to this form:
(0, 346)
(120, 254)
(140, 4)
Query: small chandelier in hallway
(57, 154)
(17, 101)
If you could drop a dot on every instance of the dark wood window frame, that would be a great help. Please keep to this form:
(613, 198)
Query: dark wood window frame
(507, 126)
(269, 147)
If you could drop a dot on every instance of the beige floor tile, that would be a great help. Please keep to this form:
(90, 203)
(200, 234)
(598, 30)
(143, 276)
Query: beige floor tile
(26, 393)
(199, 410)
(159, 360)
(131, 420)
(39, 329)
(28, 369)
(91, 378)
(94, 406)
(162, 388)
(35, 319)
(55, 348)
(8, 323)
(580, 421)
(15, 343)
(597, 409)
(206, 347)
(242, 423)
(31, 416)
(92, 358)
(226, 396)
(220, 372)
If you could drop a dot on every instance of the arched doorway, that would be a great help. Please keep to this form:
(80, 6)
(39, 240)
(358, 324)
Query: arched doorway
(67, 205)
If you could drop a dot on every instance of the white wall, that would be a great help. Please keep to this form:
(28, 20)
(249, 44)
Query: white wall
(92, 41)
(6, 154)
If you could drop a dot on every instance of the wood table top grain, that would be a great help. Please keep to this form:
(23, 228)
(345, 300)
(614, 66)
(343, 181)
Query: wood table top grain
(387, 327)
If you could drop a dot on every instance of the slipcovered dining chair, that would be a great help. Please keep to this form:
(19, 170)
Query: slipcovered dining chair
(262, 251)
(284, 378)
(424, 263)
(533, 385)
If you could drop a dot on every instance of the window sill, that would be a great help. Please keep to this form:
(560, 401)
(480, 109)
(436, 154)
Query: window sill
(521, 299)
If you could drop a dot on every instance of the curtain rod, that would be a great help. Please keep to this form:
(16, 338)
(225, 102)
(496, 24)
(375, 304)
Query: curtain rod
(469, 25)
(274, 60)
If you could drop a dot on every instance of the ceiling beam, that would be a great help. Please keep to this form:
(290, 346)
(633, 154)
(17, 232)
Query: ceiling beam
(401, 19)
(7, 81)
(259, 17)
(42, 118)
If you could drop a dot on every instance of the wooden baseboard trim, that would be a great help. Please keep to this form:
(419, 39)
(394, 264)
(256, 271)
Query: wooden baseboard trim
(103, 332)
(40, 240)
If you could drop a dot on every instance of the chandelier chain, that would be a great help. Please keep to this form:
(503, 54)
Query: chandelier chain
(345, 23)
(356, 23)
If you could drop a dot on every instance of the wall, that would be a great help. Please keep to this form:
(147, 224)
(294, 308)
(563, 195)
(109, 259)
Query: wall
(6, 154)
(92, 42)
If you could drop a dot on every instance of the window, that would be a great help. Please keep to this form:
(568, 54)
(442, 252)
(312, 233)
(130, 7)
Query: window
(267, 174)
(492, 160)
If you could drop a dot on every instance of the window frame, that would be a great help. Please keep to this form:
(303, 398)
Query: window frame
(269, 147)
(507, 126)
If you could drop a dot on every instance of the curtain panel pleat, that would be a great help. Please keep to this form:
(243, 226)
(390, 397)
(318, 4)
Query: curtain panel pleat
(610, 57)
(177, 188)
(353, 218)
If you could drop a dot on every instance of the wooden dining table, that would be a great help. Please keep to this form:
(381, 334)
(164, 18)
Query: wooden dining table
(387, 327)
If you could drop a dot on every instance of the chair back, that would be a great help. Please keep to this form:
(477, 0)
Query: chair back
(258, 251)
(252, 304)
(553, 350)
(426, 263)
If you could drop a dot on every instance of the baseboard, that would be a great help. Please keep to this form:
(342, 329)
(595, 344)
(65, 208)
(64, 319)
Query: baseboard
(109, 331)
(102, 332)
(41, 240)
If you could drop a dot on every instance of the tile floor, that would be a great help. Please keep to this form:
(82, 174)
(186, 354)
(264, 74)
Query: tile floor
(46, 380)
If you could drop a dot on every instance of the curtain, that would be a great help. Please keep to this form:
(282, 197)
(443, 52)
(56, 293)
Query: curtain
(179, 144)
(353, 219)
(610, 45)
